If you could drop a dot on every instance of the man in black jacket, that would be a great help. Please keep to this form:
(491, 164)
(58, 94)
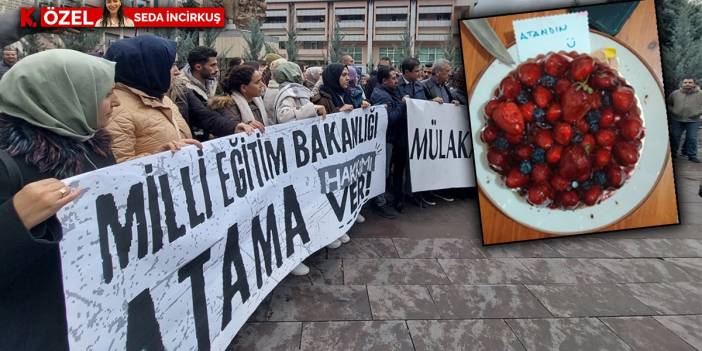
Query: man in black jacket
(194, 86)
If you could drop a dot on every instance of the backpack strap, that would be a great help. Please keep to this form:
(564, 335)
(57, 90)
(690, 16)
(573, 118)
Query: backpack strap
(12, 168)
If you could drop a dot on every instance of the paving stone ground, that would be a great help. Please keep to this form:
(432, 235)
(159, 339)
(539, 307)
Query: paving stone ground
(425, 282)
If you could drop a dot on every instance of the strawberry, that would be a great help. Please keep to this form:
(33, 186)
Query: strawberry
(559, 183)
(606, 137)
(554, 112)
(607, 118)
(509, 118)
(574, 162)
(539, 194)
(581, 67)
(569, 199)
(582, 126)
(622, 98)
(553, 155)
(516, 179)
(489, 133)
(490, 107)
(604, 80)
(562, 85)
(625, 153)
(510, 87)
(556, 64)
(595, 101)
(630, 128)
(588, 143)
(563, 133)
(514, 138)
(542, 96)
(602, 158)
(615, 176)
(498, 160)
(543, 139)
(529, 73)
(523, 151)
(528, 111)
(592, 195)
(575, 103)
(540, 172)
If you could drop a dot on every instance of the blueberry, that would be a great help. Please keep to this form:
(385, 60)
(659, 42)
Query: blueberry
(523, 97)
(593, 116)
(539, 155)
(587, 184)
(574, 184)
(500, 143)
(543, 125)
(525, 167)
(594, 127)
(606, 100)
(548, 81)
(600, 178)
(539, 114)
(577, 137)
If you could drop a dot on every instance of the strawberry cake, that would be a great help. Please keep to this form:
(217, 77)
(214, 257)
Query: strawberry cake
(564, 130)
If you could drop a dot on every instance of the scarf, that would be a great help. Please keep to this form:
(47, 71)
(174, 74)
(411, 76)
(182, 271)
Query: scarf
(58, 90)
(144, 63)
(244, 109)
(287, 72)
(330, 85)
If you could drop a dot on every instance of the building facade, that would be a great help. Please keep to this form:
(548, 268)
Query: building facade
(370, 29)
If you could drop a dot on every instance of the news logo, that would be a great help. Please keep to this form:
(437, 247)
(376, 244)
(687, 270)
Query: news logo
(83, 17)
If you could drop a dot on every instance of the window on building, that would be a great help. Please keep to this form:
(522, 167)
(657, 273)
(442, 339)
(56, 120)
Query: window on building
(350, 17)
(391, 17)
(310, 19)
(428, 55)
(355, 52)
(313, 45)
(434, 16)
(393, 54)
(276, 20)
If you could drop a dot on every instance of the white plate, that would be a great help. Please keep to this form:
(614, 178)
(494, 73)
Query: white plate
(624, 200)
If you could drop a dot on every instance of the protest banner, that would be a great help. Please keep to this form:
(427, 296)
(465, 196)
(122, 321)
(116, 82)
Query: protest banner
(440, 149)
(175, 251)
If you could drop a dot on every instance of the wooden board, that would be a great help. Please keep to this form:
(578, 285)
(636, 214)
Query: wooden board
(641, 35)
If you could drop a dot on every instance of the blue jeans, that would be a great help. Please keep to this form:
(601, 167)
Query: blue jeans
(676, 130)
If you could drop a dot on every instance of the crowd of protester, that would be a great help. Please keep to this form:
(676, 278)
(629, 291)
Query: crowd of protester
(70, 113)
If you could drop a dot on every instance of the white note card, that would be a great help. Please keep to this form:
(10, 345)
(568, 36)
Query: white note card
(540, 35)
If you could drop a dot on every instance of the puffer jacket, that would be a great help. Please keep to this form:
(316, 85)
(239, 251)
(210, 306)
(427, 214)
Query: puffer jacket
(142, 124)
(293, 103)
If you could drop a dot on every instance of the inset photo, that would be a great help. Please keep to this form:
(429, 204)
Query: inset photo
(568, 120)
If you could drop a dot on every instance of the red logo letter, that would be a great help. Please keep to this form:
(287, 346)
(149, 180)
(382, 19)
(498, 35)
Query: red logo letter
(26, 17)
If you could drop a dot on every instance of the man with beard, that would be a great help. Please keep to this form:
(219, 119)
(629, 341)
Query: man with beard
(193, 88)
(685, 106)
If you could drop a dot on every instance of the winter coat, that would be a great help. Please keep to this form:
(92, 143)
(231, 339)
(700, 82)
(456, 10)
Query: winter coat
(191, 98)
(293, 103)
(685, 107)
(357, 96)
(225, 106)
(405, 88)
(324, 99)
(269, 100)
(397, 113)
(32, 307)
(142, 124)
(432, 89)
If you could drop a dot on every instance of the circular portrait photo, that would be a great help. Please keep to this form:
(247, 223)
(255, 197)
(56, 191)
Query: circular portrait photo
(113, 15)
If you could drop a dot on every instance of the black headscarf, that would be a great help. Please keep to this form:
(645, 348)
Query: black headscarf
(144, 63)
(330, 80)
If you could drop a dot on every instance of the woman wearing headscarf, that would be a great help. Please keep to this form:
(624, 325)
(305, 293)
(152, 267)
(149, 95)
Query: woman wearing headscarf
(243, 102)
(147, 121)
(312, 76)
(333, 93)
(293, 99)
(272, 88)
(52, 110)
(356, 92)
